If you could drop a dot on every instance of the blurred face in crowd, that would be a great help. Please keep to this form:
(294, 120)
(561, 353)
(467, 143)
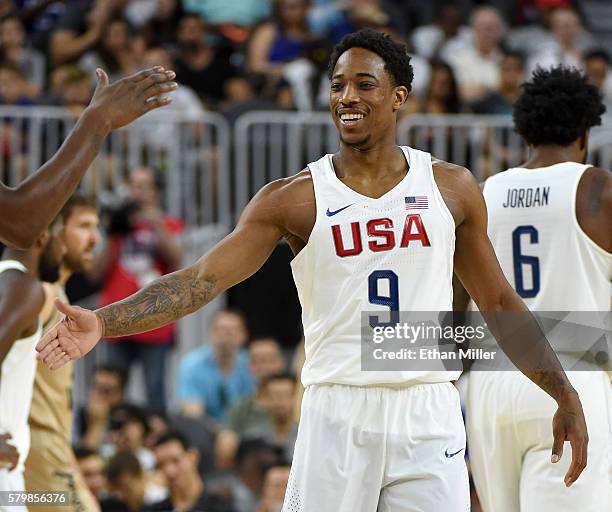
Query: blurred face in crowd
(117, 36)
(275, 485)
(450, 20)
(77, 90)
(11, 33)
(80, 236)
(228, 333)
(566, 26)
(488, 29)
(293, 12)
(53, 253)
(596, 70)
(157, 57)
(11, 85)
(92, 469)
(131, 489)
(191, 32)
(129, 436)
(165, 9)
(440, 86)
(142, 187)
(265, 358)
(176, 463)
(106, 386)
(279, 399)
(511, 73)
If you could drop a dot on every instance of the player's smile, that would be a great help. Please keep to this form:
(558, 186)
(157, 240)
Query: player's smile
(350, 117)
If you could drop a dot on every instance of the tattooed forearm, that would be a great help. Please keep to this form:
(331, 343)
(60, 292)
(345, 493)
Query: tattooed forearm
(162, 302)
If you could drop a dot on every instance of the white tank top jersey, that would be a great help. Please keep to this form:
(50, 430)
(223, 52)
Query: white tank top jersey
(544, 253)
(16, 383)
(365, 254)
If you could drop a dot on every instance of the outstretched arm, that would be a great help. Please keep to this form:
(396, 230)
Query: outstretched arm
(41, 196)
(513, 325)
(235, 258)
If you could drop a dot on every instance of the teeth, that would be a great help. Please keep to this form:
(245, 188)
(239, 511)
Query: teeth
(351, 117)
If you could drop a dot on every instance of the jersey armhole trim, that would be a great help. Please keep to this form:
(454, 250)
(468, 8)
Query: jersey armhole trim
(581, 231)
(298, 256)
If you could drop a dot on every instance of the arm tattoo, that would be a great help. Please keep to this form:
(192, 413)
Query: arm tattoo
(162, 302)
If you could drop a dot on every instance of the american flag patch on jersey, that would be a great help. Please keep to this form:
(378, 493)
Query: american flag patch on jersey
(416, 202)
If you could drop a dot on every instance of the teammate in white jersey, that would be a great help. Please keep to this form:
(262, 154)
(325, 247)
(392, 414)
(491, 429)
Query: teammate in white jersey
(373, 227)
(21, 301)
(550, 223)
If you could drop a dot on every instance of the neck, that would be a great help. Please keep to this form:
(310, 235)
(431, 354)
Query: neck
(65, 274)
(544, 156)
(28, 258)
(282, 426)
(379, 160)
(226, 360)
(188, 492)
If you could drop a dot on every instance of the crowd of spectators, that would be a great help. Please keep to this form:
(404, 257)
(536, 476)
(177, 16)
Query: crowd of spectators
(272, 54)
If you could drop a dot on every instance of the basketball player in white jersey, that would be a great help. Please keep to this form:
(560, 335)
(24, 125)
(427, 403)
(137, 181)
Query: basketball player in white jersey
(550, 223)
(373, 227)
(21, 301)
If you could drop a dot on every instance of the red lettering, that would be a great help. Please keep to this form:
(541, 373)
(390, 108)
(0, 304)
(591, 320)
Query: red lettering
(339, 243)
(409, 236)
(387, 234)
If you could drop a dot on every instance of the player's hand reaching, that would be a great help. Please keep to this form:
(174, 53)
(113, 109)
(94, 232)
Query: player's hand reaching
(569, 425)
(71, 338)
(9, 456)
(127, 99)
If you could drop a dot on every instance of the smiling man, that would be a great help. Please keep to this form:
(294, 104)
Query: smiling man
(369, 225)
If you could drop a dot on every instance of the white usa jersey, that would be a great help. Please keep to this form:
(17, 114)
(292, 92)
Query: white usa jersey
(16, 383)
(391, 253)
(544, 253)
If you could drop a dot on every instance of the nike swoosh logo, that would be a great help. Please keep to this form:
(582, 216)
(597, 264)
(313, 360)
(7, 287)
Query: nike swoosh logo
(329, 213)
(450, 455)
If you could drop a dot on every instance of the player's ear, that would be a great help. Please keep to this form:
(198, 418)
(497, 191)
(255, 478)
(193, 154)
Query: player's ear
(401, 95)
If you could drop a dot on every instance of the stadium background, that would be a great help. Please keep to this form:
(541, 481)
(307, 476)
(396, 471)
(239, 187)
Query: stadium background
(252, 108)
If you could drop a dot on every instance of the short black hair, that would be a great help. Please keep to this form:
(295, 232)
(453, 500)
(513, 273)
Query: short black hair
(557, 106)
(515, 54)
(395, 55)
(83, 452)
(266, 381)
(109, 368)
(173, 435)
(598, 53)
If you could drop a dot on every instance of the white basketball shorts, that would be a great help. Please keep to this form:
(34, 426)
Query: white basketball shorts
(369, 449)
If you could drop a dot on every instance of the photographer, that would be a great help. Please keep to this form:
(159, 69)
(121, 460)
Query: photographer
(142, 245)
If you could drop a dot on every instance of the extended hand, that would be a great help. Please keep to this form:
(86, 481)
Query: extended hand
(569, 425)
(127, 99)
(71, 338)
(9, 456)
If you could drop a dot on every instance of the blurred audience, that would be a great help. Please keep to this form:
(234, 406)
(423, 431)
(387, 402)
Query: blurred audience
(511, 76)
(597, 67)
(428, 40)
(215, 376)
(143, 244)
(14, 88)
(91, 466)
(275, 485)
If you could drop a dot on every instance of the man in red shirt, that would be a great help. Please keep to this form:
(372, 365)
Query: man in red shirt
(143, 245)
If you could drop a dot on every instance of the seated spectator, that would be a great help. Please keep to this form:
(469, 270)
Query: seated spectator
(128, 428)
(275, 486)
(178, 462)
(80, 28)
(202, 67)
(276, 399)
(428, 40)
(160, 30)
(13, 49)
(143, 244)
(91, 467)
(512, 75)
(76, 90)
(442, 96)
(14, 88)
(215, 376)
(128, 484)
(106, 390)
(597, 69)
(477, 65)
(265, 360)
(119, 51)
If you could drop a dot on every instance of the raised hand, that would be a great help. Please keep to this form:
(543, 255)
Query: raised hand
(569, 425)
(9, 456)
(71, 338)
(126, 100)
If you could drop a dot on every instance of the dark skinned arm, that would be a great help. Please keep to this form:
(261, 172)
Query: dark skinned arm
(518, 334)
(40, 197)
